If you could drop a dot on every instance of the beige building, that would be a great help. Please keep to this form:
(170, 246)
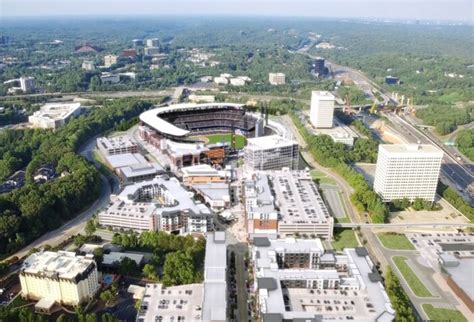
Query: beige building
(54, 115)
(110, 60)
(203, 173)
(60, 277)
(277, 78)
(322, 109)
(407, 171)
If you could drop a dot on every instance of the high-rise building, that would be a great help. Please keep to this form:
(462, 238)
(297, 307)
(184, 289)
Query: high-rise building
(137, 42)
(407, 171)
(153, 42)
(60, 277)
(27, 84)
(271, 152)
(110, 60)
(322, 109)
(277, 78)
(319, 67)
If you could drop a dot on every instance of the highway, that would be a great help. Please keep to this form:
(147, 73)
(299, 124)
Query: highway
(405, 224)
(458, 175)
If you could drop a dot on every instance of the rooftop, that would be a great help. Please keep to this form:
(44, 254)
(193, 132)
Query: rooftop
(169, 303)
(203, 170)
(152, 117)
(298, 197)
(57, 111)
(116, 257)
(125, 159)
(116, 142)
(141, 169)
(258, 188)
(414, 149)
(166, 193)
(462, 275)
(59, 264)
(325, 95)
(268, 142)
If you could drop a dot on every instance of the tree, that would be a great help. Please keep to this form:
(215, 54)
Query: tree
(99, 255)
(127, 266)
(90, 227)
(179, 269)
(150, 272)
(80, 240)
(107, 296)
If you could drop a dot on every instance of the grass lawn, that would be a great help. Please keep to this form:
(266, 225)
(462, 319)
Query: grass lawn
(344, 238)
(441, 314)
(321, 177)
(413, 281)
(240, 140)
(395, 241)
(342, 220)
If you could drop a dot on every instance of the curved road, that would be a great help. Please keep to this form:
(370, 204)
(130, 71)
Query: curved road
(77, 224)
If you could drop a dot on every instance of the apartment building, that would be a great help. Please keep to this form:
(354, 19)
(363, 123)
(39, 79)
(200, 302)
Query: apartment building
(277, 78)
(297, 280)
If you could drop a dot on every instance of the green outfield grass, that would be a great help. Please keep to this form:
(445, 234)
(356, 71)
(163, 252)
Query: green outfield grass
(240, 140)
(441, 314)
(395, 241)
(409, 275)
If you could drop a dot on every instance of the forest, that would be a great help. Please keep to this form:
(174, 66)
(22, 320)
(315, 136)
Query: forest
(28, 212)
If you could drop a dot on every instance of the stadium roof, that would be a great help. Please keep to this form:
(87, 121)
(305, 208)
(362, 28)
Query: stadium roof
(152, 118)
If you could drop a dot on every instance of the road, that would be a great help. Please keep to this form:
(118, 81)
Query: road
(458, 175)
(405, 224)
(77, 224)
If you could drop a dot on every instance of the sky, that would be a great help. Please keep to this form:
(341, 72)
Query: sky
(458, 10)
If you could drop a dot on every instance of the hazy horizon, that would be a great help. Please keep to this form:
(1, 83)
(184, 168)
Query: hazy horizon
(442, 10)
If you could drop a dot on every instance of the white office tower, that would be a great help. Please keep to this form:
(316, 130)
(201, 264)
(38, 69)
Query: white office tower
(322, 109)
(271, 152)
(407, 171)
(27, 84)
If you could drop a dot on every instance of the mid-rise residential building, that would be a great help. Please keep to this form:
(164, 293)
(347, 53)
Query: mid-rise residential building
(302, 209)
(407, 171)
(116, 145)
(260, 211)
(271, 152)
(59, 277)
(137, 43)
(297, 280)
(54, 115)
(175, 210)
(277, 78)
(110, 60)
(322, 109)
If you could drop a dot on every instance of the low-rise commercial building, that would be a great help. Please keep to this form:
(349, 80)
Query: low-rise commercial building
(88, 65)
(297, 280)
(109, 78)
(277, 78)
(271, 152)
(54, 115)
(60, 277)
(203, 173)
(110, 60)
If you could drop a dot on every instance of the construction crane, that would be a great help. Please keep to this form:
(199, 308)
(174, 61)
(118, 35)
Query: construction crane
(373, 109)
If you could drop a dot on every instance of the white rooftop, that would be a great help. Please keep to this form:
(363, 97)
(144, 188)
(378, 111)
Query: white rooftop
(411, 149)
(125, 159)
(268, 142)
(57, 111)
(152, 117)
(322, 95)
(116, 142)
(141, 169)
(203, 170)
(63, 264)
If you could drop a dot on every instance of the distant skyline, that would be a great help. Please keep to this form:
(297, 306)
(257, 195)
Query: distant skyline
(454, 10)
